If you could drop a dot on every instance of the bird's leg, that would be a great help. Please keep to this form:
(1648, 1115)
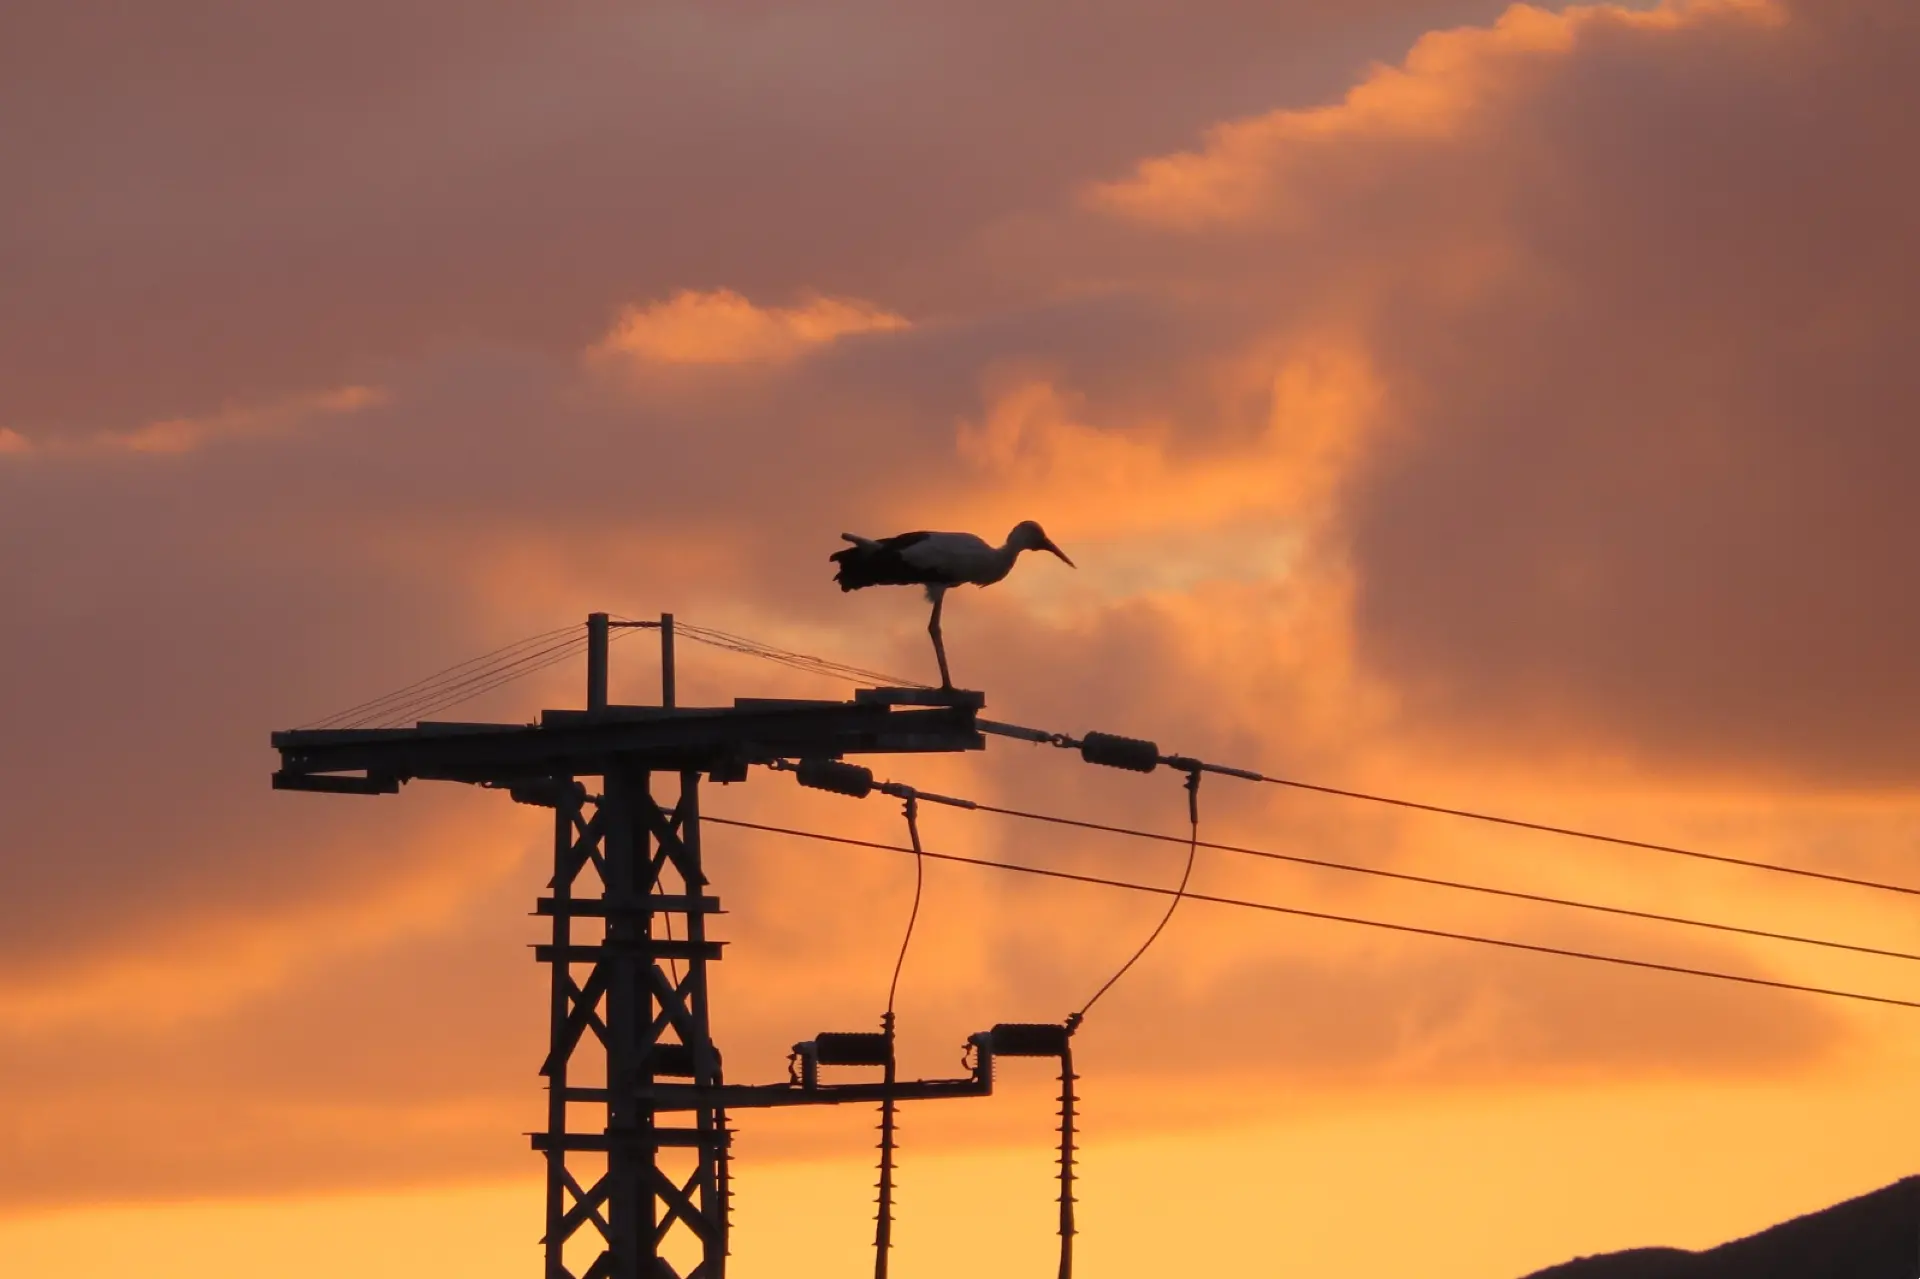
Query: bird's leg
(939, 648)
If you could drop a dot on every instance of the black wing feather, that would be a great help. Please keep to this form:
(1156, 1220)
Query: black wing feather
(879, 564)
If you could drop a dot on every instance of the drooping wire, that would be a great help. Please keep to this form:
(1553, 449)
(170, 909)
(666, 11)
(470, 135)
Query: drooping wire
(912, 810)
(1330, 917)
(1179, 894)
(1068, 1109)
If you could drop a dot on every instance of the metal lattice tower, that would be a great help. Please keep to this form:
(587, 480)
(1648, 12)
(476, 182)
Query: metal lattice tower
(630, 1007)
(636, 1133)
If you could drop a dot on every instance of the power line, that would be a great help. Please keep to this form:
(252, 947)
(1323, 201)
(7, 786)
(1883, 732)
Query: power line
(1594, 836)
(857, 781)
(1179, 895)
(484, 681)
(1301, 859)
(787, 657)
(374, 707)
(1328, 917)
(1141, 756)
(755, 648)
(459, 683)
(464, 681)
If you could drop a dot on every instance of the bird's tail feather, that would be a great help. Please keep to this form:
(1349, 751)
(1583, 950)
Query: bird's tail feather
(868, 563)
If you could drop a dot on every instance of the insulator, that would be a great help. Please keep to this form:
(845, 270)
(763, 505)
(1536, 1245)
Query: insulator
(807, 1055)
(1029, 1039)
(852, 1048)
(547, 792)
(1130, 753)
(837, 776)
(675, 1060)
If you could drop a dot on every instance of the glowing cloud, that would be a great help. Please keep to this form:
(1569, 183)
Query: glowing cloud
(1250, 168)
(186, 434)
(722, 327)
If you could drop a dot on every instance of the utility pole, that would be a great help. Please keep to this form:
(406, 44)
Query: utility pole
(636, 1135)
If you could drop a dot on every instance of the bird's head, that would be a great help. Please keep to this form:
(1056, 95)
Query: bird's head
(1029, 536)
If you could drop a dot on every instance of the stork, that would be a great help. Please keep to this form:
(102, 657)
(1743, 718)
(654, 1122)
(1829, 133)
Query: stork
(936, 561)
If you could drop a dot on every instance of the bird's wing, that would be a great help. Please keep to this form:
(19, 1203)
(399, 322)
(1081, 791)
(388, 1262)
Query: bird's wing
(953, 554)
(864, 543)
(901, 541)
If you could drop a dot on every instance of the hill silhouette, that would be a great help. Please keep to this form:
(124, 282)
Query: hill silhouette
(1876, 1236)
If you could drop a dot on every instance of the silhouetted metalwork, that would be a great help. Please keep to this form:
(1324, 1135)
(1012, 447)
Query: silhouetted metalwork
(637, 1135)
(1042, 1039)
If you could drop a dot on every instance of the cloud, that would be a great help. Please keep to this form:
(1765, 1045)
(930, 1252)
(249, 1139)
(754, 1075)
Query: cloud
(1264, 168)
(721, 327)
(186, 434)
(1453, 435)
(514, 183)
(1630, 284)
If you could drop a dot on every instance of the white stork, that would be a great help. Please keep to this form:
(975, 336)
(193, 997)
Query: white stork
(936, 561)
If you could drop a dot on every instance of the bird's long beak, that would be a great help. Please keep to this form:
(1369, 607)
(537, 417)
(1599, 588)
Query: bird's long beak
(1049, 546)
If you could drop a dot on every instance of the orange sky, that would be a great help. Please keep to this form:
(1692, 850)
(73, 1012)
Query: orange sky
(1510, 408)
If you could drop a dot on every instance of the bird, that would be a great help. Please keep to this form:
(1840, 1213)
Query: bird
(936, 561)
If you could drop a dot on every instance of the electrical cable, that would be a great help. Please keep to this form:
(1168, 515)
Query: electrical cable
(483, 682)
(1329, 917)
(787, 657)
(1597, 837)
(912, 809)
(1179, 894)
(360, 709)
(742, 644)
(1514, 894)
(465, 681)
(858, 781)
(1137, 755)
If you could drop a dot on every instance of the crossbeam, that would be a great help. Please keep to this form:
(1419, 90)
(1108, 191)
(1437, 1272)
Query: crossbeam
(627, 911)
(721, 740)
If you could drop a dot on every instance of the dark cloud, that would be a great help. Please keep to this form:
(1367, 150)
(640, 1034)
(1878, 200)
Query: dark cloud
(225, 203)
(1652, 481)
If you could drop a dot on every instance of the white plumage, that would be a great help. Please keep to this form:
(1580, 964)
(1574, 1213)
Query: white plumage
(935, 561)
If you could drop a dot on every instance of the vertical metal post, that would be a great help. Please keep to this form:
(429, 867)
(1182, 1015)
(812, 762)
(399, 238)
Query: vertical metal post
(561, 1010)
(629, 1123)
(645, 1005)
(709, 1185)
(596, 661)
(666, 660)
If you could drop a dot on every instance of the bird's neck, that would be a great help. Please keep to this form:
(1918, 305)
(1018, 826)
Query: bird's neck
(1003, 557)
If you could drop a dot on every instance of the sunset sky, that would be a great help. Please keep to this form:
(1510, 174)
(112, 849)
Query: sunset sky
(1512, 407)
